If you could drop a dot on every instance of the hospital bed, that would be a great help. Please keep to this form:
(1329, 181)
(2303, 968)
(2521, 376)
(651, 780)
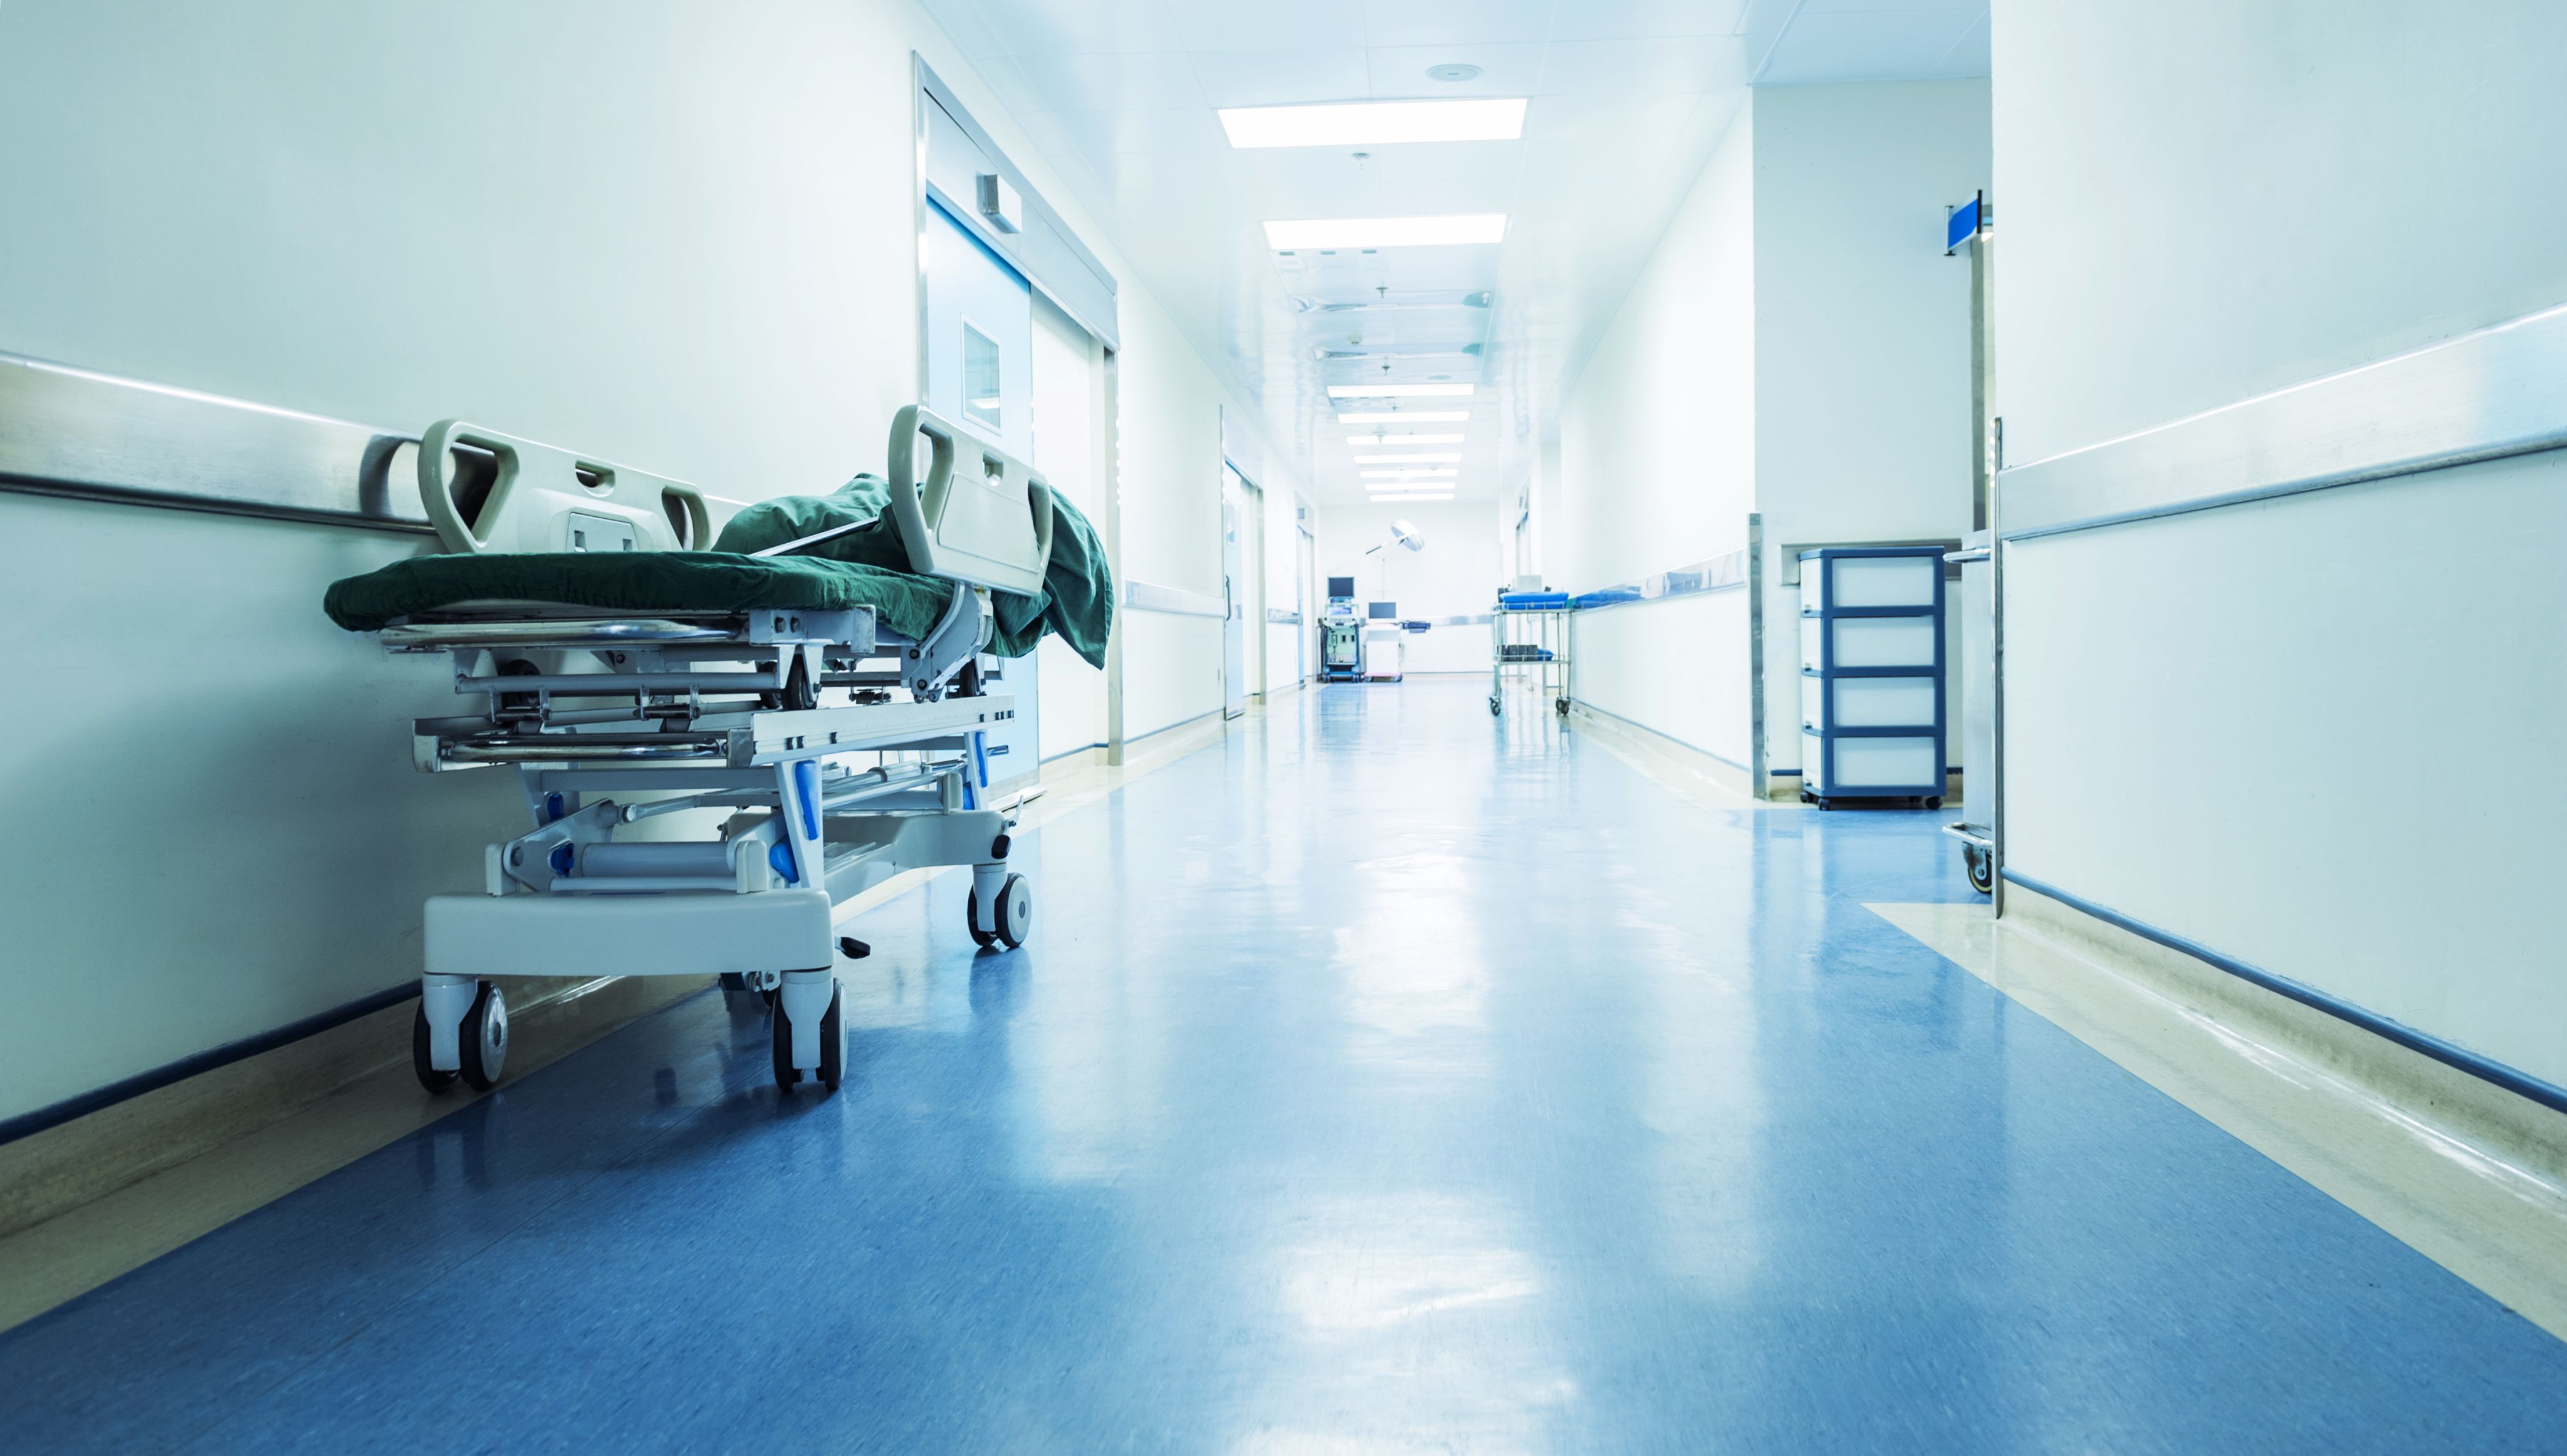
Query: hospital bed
(626, 673)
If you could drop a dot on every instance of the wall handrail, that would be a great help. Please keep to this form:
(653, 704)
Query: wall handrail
(81, 433)
(1718, 573)
(2489, 394)
(1174, 600)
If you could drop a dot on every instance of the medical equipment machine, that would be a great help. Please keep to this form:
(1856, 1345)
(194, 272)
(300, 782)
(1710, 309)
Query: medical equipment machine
(627, 676)
(1340, 652)
(1872, 674)
(1529, 640)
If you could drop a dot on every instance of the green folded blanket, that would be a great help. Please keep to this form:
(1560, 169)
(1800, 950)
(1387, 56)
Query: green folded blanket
(1077, 600)
(866, 567)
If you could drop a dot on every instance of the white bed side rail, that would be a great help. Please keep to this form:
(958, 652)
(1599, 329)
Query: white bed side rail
(490, 492)
(978, 516)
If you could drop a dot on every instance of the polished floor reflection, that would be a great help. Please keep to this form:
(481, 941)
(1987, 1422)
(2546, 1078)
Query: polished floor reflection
(1383, 1080)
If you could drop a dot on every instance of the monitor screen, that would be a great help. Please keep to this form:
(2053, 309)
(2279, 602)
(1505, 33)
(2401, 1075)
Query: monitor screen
(1341, 586)
(1383, 611)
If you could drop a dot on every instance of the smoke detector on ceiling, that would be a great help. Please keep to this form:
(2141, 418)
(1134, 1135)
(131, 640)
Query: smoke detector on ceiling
(1456, 71)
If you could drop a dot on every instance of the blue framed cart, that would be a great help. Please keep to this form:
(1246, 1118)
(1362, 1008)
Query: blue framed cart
(1872, 675)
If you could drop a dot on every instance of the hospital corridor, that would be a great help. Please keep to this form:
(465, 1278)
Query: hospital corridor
(1369, 728)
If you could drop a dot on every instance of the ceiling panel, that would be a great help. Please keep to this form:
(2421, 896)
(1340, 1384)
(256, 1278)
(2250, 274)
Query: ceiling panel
(1111, 81)
(1040, 27)
(1634, 17)
(1281, 78)
(1505, 70)
(1675, 62)
(1457, 22)
(1260, 25)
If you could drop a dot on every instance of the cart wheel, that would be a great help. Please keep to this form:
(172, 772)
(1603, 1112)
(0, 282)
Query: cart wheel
(1825, 803)
(780, 1035)
(1809, 798)
(833, 1041)
(1562, 705)
(485, 1038)
(1015, 911)
(1933, 801)
(800, 693)
(429, 1076)
(1980, 867)
(1493, 706)
(972, 918)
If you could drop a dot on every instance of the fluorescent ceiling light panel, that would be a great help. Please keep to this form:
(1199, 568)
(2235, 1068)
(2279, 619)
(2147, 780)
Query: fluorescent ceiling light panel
(1375, 124)
(1403, 439)
(1407, 474)
(1430, 457)
(1406, 417)
(1452, 231)
(1412, 496)
(1399, 391)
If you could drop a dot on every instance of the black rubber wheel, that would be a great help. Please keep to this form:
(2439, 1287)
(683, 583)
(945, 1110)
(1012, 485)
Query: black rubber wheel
(1562, 704)
(1493, 706)
(800, 693)
(972, 918)
(1933, 801)
(429, 1076)
(1015, 911)
(1977, 863)
(485, 1033)
(833, 1043)
(1826, 803)
(782, 1038)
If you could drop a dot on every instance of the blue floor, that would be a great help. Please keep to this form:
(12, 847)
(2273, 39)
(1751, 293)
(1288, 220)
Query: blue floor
(1399, 1082)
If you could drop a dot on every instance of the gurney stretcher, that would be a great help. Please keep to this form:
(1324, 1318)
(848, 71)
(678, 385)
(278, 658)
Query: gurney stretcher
(686, 696)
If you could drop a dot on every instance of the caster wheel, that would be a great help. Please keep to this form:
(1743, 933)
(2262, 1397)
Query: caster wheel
(780, 1035)
(1560, 705)
(1016, 914)
(1015, 911)
(833, 1042)
(1826, 804)
(1809, 798)
(1933, 801)
(1981, 869)
(429, 1076)
(485, 1038)
(1492, 706)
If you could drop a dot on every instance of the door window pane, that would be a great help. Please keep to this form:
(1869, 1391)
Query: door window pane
(981, 379)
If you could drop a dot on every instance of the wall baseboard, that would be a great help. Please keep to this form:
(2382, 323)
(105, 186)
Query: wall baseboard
(2466, 1107)
(1621, 731)
(89, 1156)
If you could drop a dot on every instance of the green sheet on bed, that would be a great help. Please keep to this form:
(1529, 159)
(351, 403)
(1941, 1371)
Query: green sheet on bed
(864, 568)
(642, 581)
(1077, 600)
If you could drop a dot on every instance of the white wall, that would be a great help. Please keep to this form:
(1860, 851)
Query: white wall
(1456, 574)
(1657, 435)
(1282, 543)
(1862, 336)
(674, 235)
(1656, 468)
(2234, 725)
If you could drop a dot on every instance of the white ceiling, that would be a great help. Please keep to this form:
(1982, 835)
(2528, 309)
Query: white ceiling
(1628, 98)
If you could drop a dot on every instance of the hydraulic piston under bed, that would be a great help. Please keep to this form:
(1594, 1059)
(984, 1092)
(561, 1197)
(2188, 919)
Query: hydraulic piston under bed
(843, 754)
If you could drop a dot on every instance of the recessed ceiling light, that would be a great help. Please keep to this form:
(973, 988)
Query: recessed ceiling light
(1404, 416)
(1412, 495)
(1383, 439)
(1428, 458)
(1369, 123)
(1454, 70)
(1399, 391)
(1407, 474)
(1466, 229)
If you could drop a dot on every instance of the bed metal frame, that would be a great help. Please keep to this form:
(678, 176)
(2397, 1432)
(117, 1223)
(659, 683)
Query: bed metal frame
(614, 718)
